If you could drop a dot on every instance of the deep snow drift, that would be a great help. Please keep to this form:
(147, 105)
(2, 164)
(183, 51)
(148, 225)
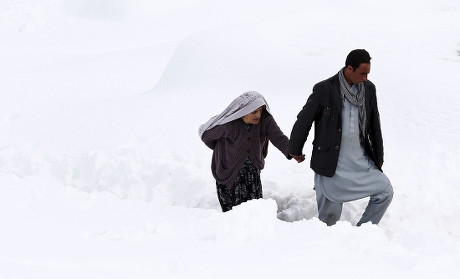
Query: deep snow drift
(102, 173)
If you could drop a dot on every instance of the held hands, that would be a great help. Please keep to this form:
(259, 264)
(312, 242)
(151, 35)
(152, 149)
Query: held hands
(298, 158)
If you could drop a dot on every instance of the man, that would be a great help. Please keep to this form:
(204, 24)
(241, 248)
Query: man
(347, 152)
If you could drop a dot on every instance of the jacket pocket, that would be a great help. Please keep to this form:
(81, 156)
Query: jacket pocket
(321, 154)
(327, 113)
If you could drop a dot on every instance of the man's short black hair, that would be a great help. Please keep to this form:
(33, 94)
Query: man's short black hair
(356, 57)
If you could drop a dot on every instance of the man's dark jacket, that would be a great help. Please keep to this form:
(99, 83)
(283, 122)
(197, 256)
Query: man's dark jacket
(324, 107)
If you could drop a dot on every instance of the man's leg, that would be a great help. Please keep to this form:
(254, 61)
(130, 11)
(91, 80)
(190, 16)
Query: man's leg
(329, 212)
(377, 206)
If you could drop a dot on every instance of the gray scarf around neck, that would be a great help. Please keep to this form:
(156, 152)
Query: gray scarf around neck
(357, 99)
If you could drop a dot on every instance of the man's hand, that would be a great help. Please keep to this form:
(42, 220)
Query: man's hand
(298, 158)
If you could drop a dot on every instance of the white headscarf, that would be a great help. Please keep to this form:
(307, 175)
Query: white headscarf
(244, 104)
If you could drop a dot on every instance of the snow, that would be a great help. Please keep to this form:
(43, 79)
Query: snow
(102, 173)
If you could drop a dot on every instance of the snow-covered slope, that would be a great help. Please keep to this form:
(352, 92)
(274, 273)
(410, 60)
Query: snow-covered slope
(102, 173)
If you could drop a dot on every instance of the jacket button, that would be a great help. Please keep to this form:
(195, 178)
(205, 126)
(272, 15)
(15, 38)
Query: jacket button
(249, 150)
(339, 130)
(337, 147)
(319, 147)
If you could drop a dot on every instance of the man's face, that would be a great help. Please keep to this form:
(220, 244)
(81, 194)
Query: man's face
(354, 76)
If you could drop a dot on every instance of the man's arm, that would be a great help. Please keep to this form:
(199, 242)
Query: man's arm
(376, 132)
(302, 126)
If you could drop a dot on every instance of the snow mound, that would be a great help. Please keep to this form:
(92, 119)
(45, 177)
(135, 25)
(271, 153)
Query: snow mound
(231, 59)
